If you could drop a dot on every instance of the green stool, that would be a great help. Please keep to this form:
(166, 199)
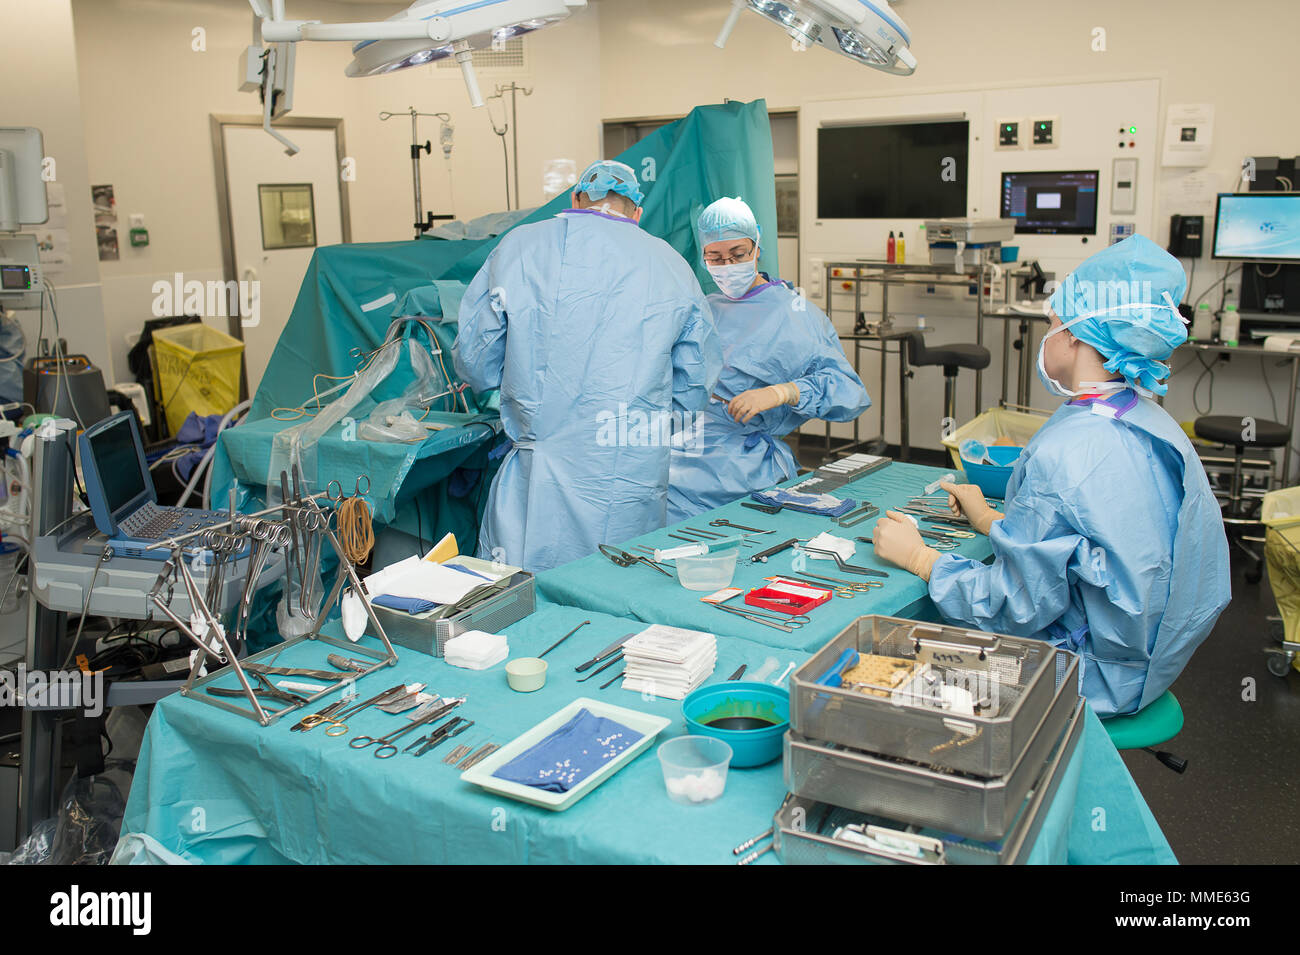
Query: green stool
(1158, 723)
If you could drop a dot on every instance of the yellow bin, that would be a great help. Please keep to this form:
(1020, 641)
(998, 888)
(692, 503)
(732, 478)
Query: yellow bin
(1018, 426)
(198, 370)
(1281, 517)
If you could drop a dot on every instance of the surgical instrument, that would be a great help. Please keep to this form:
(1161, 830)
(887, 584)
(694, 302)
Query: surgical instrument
(438, 737)
(839, 562)
(739, 527)
(266, 688)
(853, 518)
(740, 671)
(762, 556)
(602, 668)
(339, 723)
(612, 648)
(347, 663)
(265, 670)
(623, 559)
(302, 725)
(483, 752)
(859, 586)
(703, 533)
(750, 843)
(613, 679)
(765, 508)
(457, 754)
(563, 638)
(784, 627)
(386, 742)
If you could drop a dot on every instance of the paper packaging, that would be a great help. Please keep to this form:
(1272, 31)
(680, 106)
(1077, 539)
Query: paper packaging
(669, 662)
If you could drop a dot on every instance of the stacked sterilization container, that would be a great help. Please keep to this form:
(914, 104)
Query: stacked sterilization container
(918, 742)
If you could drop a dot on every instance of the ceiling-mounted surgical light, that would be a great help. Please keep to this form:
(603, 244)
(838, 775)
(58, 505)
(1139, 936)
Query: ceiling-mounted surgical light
(428, 30)
(867, 31)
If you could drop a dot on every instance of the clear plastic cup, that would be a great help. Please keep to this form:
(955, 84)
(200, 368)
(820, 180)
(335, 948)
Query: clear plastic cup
(695, 768)
(708, 571)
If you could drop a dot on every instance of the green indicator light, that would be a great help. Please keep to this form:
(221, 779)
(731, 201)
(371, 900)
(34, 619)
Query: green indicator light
(1132, 129)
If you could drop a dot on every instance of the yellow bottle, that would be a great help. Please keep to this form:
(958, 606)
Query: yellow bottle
(899, 248)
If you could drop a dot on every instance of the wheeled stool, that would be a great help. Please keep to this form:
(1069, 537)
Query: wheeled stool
(915, 352)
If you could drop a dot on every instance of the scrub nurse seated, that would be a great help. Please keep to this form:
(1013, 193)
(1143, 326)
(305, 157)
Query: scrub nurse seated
(1111, 544)
(783, 366)
(583, 320)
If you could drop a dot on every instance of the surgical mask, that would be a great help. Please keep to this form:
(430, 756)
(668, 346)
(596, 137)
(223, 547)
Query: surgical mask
(735, 280)
(1092, 387)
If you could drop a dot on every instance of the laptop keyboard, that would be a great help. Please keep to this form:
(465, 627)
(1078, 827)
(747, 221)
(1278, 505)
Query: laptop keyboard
(152, 522)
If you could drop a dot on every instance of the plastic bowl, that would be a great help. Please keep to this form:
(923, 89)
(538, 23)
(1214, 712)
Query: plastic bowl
(695, 768)
(708, 571)
(741, 701)
(526, 674)
(992, 478)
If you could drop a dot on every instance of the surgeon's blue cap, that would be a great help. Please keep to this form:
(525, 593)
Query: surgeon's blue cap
(1116, 282)
(605, 176)
(727, 219)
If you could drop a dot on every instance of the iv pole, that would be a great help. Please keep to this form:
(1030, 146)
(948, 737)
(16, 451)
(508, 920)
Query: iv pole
(423, 224)
(512, 126)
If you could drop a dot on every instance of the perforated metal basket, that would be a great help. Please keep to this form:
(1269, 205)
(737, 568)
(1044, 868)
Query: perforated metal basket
(971, 806)
(1018, 677)
(804, 828)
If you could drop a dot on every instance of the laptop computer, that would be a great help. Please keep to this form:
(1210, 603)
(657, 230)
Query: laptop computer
(123, 499)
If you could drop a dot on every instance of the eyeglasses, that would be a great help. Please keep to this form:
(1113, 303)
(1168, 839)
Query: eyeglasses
(712, 258)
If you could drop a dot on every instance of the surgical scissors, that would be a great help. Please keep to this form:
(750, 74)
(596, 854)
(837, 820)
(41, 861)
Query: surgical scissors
(326, 715)
(337, 496)
(386, 742)
(838, 583)
(776, 623)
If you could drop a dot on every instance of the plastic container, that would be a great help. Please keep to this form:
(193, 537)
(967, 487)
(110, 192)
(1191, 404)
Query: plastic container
(198, 370)
(738, 702)
(526, 674)
(695, 768)
(1016, 426)
(708, 571)
(1010, 254)
(992, 478)
(1230, 325)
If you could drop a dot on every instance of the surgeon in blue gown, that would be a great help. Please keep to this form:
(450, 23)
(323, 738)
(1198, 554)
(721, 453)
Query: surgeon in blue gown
(1112, 543)
(602, 344)
(783, 366)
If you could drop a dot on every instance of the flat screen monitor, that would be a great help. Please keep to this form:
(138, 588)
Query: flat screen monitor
(892, 171)
(1044, 203)
(1258, 227)
(116, 455)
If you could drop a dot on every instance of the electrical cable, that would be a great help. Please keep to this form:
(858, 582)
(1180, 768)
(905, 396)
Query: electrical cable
(85, 606)
(1209, 370)
(1226, 275)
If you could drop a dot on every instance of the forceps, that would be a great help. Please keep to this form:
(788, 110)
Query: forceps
(839, 562)
(334, 490)
(327, 715)
(739, 527)
(788, 625)
(623, 559)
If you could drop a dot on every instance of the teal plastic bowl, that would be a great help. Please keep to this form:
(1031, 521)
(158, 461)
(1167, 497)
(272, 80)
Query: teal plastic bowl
(741, 701)
(992, 478)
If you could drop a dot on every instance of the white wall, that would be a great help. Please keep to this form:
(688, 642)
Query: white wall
(147, 96)
(39, 88)
(667, 64)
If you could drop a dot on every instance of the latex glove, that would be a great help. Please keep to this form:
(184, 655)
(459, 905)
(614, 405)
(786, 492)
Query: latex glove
(897, 540)
(747, 404)
(967, 500)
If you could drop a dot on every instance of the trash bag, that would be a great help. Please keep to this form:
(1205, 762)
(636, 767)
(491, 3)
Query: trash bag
(86, 828)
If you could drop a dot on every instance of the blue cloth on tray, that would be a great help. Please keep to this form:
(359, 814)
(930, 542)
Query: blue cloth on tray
(569, 755)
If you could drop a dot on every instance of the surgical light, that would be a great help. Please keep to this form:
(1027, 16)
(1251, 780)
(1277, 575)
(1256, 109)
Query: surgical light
(867, 31)
(426, 31)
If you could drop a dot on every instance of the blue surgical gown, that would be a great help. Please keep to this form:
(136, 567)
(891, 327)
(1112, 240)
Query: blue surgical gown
(600, 339)
(1112, 546)
(772, 335)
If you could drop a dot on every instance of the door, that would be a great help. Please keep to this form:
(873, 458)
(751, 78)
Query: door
(282, 208)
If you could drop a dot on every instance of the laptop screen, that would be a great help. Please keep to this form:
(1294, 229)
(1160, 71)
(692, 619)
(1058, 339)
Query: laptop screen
(118, 464)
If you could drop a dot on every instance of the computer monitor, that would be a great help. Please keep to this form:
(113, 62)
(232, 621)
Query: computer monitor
(1258, 227)
(1044, 203)
(117, 477)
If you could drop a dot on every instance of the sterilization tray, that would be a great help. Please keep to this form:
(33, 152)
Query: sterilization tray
(429, 633)
(1020, 676)
(803, 828)
(970, 806)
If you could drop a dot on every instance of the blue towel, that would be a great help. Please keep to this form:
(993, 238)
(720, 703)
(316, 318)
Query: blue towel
(409, 604)
(821, 504)
(569, 755)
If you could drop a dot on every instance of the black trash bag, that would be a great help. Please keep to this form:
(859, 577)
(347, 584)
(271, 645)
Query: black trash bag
(86, 829)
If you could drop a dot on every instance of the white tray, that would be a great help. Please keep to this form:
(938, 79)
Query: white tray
(644, 723)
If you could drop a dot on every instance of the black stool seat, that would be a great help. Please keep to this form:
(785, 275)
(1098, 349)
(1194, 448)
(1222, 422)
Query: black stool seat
(950, 356)
(1228, 429)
